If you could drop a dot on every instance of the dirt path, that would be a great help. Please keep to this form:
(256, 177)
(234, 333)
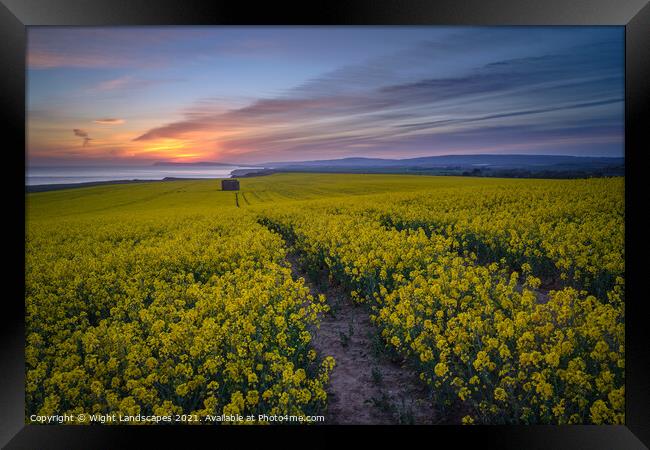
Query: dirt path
(366, 387)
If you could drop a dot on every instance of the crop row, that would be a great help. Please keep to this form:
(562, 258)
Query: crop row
(484, 341)
(570, 234)
(198, 315)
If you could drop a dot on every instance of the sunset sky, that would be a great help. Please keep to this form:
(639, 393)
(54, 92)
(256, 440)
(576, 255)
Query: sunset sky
(128, 95)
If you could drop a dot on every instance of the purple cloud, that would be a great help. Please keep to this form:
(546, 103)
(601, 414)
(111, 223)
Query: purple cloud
(82, 134)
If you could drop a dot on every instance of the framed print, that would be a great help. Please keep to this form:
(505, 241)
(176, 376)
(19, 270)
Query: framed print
(401, 218)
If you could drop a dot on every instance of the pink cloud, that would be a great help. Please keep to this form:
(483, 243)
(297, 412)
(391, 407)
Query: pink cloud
(109, 121)
(115, 83)
(129, 82)
(47, 60)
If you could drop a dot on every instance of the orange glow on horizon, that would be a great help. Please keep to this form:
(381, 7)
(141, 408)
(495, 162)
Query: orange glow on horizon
(164, 146)
(186, 157)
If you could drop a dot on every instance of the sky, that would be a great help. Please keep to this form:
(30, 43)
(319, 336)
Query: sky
(138, 95)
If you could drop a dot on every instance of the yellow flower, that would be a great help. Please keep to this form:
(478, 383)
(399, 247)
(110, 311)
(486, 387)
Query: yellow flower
(558, 409)
(441, 369)
(482, 360)
(252, 398)
(599, 412)
(500, 394)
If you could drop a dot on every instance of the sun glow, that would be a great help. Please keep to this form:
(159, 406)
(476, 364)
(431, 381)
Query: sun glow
(165, 146)
(171, 150)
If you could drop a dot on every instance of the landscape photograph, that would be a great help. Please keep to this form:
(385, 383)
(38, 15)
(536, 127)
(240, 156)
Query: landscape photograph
(326, 225)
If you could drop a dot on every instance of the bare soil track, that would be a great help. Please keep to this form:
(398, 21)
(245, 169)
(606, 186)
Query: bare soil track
(366, 386)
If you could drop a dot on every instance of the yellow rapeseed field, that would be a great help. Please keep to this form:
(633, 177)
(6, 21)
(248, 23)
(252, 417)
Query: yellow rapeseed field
(177, 298)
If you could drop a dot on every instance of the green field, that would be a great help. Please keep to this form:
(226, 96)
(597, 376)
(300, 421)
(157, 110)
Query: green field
(205, 196)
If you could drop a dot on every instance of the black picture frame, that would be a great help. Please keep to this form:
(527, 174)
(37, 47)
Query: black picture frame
(16, 15)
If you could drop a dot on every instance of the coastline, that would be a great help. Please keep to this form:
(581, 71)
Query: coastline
(35, 188)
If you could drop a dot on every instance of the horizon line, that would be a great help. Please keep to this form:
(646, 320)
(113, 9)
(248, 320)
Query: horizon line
(154, 162)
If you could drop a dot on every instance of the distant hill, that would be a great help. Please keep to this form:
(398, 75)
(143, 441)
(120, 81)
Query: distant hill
(518, 166)
(494, 161)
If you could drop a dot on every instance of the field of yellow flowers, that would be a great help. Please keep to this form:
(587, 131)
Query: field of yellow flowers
(172, 298)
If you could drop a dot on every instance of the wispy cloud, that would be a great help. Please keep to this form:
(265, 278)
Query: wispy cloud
(129, 82)
(328, 93)
(559, 93)
(47, 60)
(109, 121)
(97, 48)
(82, 134)
(115, 83)
(135, 47)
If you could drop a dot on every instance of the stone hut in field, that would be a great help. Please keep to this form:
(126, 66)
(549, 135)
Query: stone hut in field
(230, 185)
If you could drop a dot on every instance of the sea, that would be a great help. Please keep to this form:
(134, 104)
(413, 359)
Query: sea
(41, 175)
